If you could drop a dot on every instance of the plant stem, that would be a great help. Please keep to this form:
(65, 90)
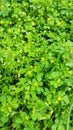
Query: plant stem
(68, 120)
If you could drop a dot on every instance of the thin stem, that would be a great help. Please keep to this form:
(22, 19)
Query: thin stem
(68, 120)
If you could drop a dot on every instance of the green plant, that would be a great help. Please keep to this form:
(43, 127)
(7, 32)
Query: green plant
(36, 65)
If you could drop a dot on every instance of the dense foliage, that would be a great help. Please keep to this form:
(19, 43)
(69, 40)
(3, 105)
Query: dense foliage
(36, 64)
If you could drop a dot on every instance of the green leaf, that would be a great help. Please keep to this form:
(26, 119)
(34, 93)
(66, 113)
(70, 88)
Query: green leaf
(66, 99)
(60, 127)
(54, 127)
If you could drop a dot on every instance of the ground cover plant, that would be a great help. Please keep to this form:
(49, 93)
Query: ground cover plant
(36, 65)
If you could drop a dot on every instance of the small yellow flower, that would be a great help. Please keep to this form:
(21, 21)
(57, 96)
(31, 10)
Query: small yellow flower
(29, 72)
(9, 109)
(62, 113)
(70, 4)
(58, 23)
(71, 51)
(14, 37)
(1, 22)
(2, 6)
(21, 35)
(67, 68)
(62, 1)
(52, 61)
(33, 111)
(63, 45)
(19, 75)
(27, 117)
(36, 84)
(33, 23)
(58, 81)
(18, 30)
(52, 9)
(32, 103)
(48, 19)
(19, 25)
(47, 8)
(62, 77)
(70, 72)
(22, 42)
(25, 4)
(46, 51)
(21, 51)
(19, 19)
(9, 30)
(44, 31)
(59, 98)
(10, 22)
(42, 59)
(18, 61)
(64, 129)
(29, 82)
(23, 57)
(24, 13)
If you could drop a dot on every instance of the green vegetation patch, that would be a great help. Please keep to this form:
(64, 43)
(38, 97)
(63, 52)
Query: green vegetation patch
(36, 64)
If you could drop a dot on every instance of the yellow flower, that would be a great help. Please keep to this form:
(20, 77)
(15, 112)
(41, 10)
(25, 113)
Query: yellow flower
(70, 4)
(32, 103)
(19, 19)
(47, 8)
(67, 68)
(9, 30)
(29, 72)
(46, 51)
(33, 111)
(63, 45)
(20, 51)
(36, 84)
(10, 22)
(62, 77)
(23, 57)
(59, 98)
(70, 72)
(18, 30)
(58, 23)
(48, 19)
(29, 82)
(19, 75)
(27, 117)
(58, 81)
(62, 113)
(52, 9)
(64, 129)
(62, 1)
(22, 42)
(71, 51)
(42, 59)
(19, 25)
(2, 6)
(33, 23)
(18, 61)
(1, 22)
(52, 61)
(9, 109)
(21, 35)
(25, 4)
(24, 13)
(14, 37)
(44, 31)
